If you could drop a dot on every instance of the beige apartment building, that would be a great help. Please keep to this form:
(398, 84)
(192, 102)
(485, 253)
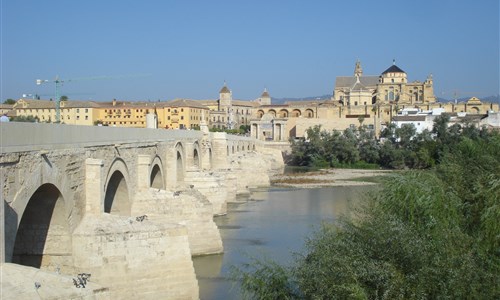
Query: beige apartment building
(182, 114)
(70, 112)
(124, 113)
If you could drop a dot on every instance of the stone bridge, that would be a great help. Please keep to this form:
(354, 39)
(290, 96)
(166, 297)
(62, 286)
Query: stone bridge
(129, 206)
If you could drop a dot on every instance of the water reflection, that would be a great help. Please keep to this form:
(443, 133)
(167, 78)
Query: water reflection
(272, 228)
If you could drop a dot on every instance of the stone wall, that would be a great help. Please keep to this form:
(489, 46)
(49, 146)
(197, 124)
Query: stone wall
(130, 212)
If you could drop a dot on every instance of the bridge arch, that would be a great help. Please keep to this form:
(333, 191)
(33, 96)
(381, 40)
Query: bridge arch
(157, 178)
(43, 237)
(117, 200)
(196, 155)
(179, 156)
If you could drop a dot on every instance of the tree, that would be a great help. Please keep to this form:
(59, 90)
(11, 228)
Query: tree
(404, 134)
(9, 101)
(429, 234)
(30, 119)
(244, 129)
(64, 98)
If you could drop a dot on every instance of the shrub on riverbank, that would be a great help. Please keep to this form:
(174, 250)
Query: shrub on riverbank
(398, 148)
(425, 235)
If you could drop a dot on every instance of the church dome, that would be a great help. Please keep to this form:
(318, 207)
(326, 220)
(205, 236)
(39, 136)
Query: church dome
(393, 69)
(265, 94)
(224, 90)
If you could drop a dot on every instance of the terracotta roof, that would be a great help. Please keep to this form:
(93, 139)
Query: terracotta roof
(185, 103)
(47, 104)
(245, 103)
(121, 104)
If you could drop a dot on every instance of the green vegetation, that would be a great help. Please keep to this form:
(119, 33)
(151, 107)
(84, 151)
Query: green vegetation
(398, 148)
(242, 130)
(9, 101)
(30, 119)
(426, 234)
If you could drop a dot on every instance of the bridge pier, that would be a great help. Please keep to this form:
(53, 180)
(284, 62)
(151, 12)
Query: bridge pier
(94, 197)
(132, 204)
(135, 258)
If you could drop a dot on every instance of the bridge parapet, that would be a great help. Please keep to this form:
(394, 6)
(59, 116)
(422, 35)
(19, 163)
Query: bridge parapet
(18, 137)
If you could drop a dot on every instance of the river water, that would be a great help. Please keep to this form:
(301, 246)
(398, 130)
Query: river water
(273, 223)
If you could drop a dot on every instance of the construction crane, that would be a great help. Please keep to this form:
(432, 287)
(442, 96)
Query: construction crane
(59, 82)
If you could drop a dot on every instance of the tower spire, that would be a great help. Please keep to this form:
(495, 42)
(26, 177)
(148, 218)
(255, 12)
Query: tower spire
(358, 70)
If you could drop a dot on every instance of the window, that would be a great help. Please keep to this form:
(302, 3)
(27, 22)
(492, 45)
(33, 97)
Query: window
(86, 110)
(182, 117)
(77, 110)
(78, 117)
(391, 94)
(86, 117)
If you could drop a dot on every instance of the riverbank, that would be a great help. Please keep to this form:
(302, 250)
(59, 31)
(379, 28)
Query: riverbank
(328, 177)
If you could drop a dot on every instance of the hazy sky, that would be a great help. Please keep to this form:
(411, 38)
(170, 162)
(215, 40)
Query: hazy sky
(187, 49)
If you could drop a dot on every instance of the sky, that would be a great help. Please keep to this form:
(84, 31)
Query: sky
(162, 50)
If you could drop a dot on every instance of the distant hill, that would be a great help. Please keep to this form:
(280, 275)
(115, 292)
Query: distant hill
(491, 99)
(311, 98)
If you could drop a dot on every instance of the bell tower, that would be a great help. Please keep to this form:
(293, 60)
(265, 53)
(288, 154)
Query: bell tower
(225, 98)
(358, 70)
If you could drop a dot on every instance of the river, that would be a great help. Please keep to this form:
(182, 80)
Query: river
(273, 223)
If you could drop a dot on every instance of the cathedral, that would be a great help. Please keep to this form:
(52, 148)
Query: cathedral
(390, 87)
(370, 101)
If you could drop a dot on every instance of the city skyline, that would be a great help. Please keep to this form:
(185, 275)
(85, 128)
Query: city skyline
(159, 50)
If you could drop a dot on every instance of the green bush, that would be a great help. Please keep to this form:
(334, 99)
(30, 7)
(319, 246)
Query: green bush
(431, 234)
